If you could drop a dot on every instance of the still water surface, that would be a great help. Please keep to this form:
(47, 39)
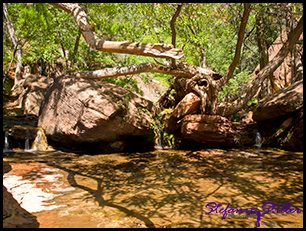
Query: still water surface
(164, 188)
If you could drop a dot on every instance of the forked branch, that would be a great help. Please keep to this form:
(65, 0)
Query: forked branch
(158, 50)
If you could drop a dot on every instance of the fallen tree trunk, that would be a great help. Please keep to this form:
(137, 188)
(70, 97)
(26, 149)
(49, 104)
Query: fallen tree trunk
(130, 70)
(159, 50)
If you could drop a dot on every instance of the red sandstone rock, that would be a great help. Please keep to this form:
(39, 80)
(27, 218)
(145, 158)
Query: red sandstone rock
(285, 101)
(31, 92)
(208, 119)
(214, 131)
(79, 110)
(15, 216)
(188, 105)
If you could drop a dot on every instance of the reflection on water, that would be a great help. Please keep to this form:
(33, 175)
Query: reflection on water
(167, 188)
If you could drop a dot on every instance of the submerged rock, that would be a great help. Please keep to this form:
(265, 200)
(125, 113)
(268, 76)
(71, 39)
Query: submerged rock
(79, 110)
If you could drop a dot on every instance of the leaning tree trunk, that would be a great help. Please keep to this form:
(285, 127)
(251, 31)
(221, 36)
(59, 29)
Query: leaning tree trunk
(264, 73)
(75, 50)
(172, 26)
(8, 69)
(221, 82)
(11, 29)
(159, 50)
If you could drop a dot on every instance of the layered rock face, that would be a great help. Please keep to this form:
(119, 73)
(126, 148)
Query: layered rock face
(283, 102)
(280, 117)
(78, 110)
(20, 128)
(216, 131)
(188, 105)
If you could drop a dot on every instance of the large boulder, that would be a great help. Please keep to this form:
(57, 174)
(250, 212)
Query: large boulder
(217, 131)
(77, 110)
(283, 102)
(188, 105)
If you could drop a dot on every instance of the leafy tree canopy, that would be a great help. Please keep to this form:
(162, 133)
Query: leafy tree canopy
(206, 32)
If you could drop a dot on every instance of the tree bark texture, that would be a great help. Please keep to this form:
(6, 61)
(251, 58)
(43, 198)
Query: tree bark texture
(160, 50)
(12, 32)
(182, 70)
(172, 26)
(233, 65)
(221, 82)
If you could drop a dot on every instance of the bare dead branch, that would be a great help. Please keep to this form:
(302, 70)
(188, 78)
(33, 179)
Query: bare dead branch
(159, 50)
(182, 69)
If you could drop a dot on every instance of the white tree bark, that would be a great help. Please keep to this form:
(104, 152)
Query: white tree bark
(12, 32)
(182, 69)
(160, 50)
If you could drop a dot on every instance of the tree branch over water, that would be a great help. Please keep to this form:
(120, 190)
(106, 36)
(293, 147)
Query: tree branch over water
(158, 50)
(182, 69)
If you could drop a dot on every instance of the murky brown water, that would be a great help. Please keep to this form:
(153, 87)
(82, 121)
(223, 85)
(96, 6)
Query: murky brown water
(165, 188)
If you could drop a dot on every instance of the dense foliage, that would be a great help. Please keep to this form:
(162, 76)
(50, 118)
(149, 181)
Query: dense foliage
(206, 32)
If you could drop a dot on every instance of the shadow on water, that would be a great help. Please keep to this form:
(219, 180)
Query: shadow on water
(171, 188)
